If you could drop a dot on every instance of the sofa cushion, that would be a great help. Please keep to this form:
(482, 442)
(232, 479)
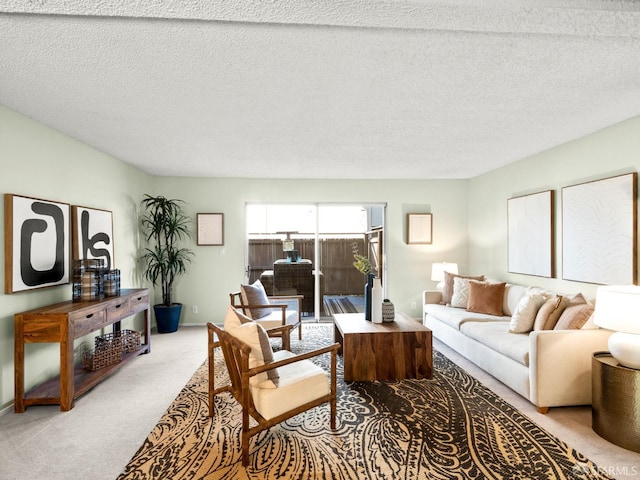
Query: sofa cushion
(525, 314)
(496, 336)
(549, 313)
(485, 297)
(576, 314)
(447, 290)
(454, 317)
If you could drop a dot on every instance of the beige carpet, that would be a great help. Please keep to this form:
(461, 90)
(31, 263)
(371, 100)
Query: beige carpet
(448, 427)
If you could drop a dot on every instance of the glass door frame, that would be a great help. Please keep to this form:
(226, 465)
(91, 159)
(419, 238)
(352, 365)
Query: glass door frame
(316, 235)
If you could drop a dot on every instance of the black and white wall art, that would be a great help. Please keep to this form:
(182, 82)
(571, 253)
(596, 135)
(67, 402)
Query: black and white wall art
(36, 243)
(93, 235)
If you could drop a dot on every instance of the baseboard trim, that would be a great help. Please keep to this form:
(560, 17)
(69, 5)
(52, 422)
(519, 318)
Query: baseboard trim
(7, 409)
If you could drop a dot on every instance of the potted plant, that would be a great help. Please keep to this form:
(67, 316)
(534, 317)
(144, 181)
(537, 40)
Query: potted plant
(165, 226)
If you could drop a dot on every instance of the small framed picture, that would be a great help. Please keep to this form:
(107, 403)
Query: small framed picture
(419, 228)
(210, 229)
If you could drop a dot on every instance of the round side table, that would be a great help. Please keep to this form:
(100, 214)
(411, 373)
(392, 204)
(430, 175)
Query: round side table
(615, 401)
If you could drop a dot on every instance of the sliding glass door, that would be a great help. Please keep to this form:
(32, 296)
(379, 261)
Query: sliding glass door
(307, 249)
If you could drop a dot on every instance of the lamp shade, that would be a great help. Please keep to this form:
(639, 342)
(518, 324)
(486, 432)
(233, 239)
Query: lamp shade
(438, 269)
(618, 308)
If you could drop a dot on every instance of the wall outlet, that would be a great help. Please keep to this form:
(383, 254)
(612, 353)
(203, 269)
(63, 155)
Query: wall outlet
(413, 305)
(194, 309)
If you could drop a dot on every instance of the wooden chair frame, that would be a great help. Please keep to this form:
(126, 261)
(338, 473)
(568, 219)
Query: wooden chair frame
(236, 302)
(236, 356)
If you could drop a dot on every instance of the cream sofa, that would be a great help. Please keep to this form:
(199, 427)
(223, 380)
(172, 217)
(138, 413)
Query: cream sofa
(550, 368)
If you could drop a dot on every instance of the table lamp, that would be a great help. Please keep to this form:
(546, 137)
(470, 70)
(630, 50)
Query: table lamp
(618, 309)
(438, 269)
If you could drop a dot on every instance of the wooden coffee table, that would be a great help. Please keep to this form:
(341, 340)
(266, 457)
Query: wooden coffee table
(383, 351)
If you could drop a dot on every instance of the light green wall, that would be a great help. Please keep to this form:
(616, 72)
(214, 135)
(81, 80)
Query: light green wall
(219, 270)
(40, 162)
(37, 161)
(469, 218)
(609, 152)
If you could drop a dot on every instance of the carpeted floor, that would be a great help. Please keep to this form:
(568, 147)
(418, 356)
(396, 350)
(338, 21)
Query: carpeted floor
(448, 427)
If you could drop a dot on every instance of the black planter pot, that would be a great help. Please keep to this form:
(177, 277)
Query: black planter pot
(167, 318)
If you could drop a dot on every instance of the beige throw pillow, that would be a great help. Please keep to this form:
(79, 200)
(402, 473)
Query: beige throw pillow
(576, 314)
(485, 297)
(254, 335)
(549, 313)
(447, 290)
(255, 294)
(234, 318)
(460, 297)
(525, 313)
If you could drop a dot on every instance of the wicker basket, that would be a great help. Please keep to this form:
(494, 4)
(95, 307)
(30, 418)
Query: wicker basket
(130, 341)
(100, 358)
(110, 347)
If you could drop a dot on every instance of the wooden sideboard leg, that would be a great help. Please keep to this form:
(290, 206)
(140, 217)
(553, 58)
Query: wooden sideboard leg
(543, 410)
(18, 358)
(67, 377)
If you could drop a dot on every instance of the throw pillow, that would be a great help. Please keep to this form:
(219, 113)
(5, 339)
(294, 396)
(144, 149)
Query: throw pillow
(460, 297)
(549, 313)
(576, 315)
(525, 313)
(447, 290)
(255, 294)
(590, 323)
(485, 297)
(234, 318)
(254, 335)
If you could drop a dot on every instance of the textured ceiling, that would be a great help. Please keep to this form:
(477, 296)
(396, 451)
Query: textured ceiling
(322, 89)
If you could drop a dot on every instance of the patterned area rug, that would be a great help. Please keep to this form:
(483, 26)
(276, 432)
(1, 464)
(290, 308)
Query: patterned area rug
(450, 427)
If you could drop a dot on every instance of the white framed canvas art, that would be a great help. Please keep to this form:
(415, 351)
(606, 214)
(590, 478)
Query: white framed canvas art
(530, 230)
(599, 237)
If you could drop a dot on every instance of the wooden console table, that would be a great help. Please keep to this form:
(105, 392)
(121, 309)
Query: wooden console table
(62, 323)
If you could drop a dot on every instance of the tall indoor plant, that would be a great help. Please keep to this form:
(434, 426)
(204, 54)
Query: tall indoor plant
(165, 226)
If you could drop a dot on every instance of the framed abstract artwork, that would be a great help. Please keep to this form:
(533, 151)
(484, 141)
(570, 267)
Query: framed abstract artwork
(92, 235)
(530, 230)
(210, 229)
(599, 231)
(36, 243)
(419, 227)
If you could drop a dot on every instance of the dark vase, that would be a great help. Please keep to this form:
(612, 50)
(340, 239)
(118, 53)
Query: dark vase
(367, 296)
(167, 318)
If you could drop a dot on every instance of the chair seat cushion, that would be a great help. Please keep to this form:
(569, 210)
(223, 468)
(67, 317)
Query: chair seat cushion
(274, 319)
(299, 383)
